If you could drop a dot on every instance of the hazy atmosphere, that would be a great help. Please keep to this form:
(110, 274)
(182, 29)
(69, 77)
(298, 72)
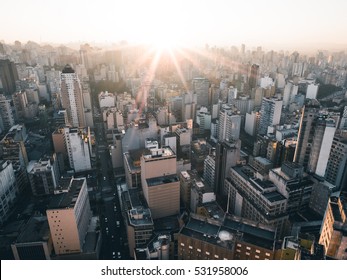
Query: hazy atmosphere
(272, 24)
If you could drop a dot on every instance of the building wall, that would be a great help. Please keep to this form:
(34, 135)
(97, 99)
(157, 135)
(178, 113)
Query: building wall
(247, 251)
(157, 167)
(190, 248)
(64, 231)
(164, 200)
(7, 189)
(72, 99)
(332, 230)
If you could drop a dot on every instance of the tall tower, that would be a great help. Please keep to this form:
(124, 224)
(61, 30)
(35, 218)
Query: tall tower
(333, 231)
(324, 132)
(68, 216)
(336, 171)
(253, 78)
(227, 156)
(201, 88)
(71, 97)
(229, 124)
(160, 184)
(6, 115)
(8, 77)
(306, 132)
(270, 114)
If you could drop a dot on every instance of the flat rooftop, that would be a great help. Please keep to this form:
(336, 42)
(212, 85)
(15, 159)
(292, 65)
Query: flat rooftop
(162, 180)
(36, 230)
(68, 197)
(274, 196)
(237, 229)
(263, 160)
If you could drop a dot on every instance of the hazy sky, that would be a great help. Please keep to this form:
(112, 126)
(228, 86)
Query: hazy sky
(269, 23)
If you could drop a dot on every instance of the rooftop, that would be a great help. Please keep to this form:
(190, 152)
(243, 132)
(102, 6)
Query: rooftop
(36, 230)
(162, 180)
(225, 233)
(68, 194)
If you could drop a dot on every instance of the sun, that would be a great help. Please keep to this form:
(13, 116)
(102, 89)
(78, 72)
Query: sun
(164, 43)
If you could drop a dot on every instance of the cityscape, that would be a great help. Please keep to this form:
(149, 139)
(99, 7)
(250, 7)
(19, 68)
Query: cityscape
(164, 150)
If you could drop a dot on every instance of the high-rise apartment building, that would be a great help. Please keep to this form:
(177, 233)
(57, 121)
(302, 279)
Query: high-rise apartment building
(336, 171)
(210, 169)
(306, 132)
(12, 148)
(6, 115)
(343, 122)
(333, 235)
(43, 175)
(227, 156)
(8, 77)
(160, 184)
(201, 87)
(78, 145)
(257, 200)
(229, 124)
(254, 76)
(324, 132)
(270, 114)
(293, 184)
(68, 216)
(71, 97)
(7, 189)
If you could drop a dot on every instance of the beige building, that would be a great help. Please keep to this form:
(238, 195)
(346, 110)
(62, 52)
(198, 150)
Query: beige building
(227, 239)
(68, 216)
(334, 230)
(71, 97)
(160, 184)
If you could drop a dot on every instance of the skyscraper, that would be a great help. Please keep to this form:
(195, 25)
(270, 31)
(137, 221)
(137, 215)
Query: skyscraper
(160, 184)
(306, 133)
(201, 89)
(336, 171)
(254, 75)
(78, 146)
(229, 124)
(8, 77)
(227, 156)
(324, 132)
(270, 114)
(68, 216)
(6, 115)
(71, 97)
(334, 228)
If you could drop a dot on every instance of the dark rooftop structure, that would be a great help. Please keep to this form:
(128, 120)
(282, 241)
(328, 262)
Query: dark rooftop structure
(162, 180)
(35, 230)
(68, 69)
(67, 193)
(225, 233)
